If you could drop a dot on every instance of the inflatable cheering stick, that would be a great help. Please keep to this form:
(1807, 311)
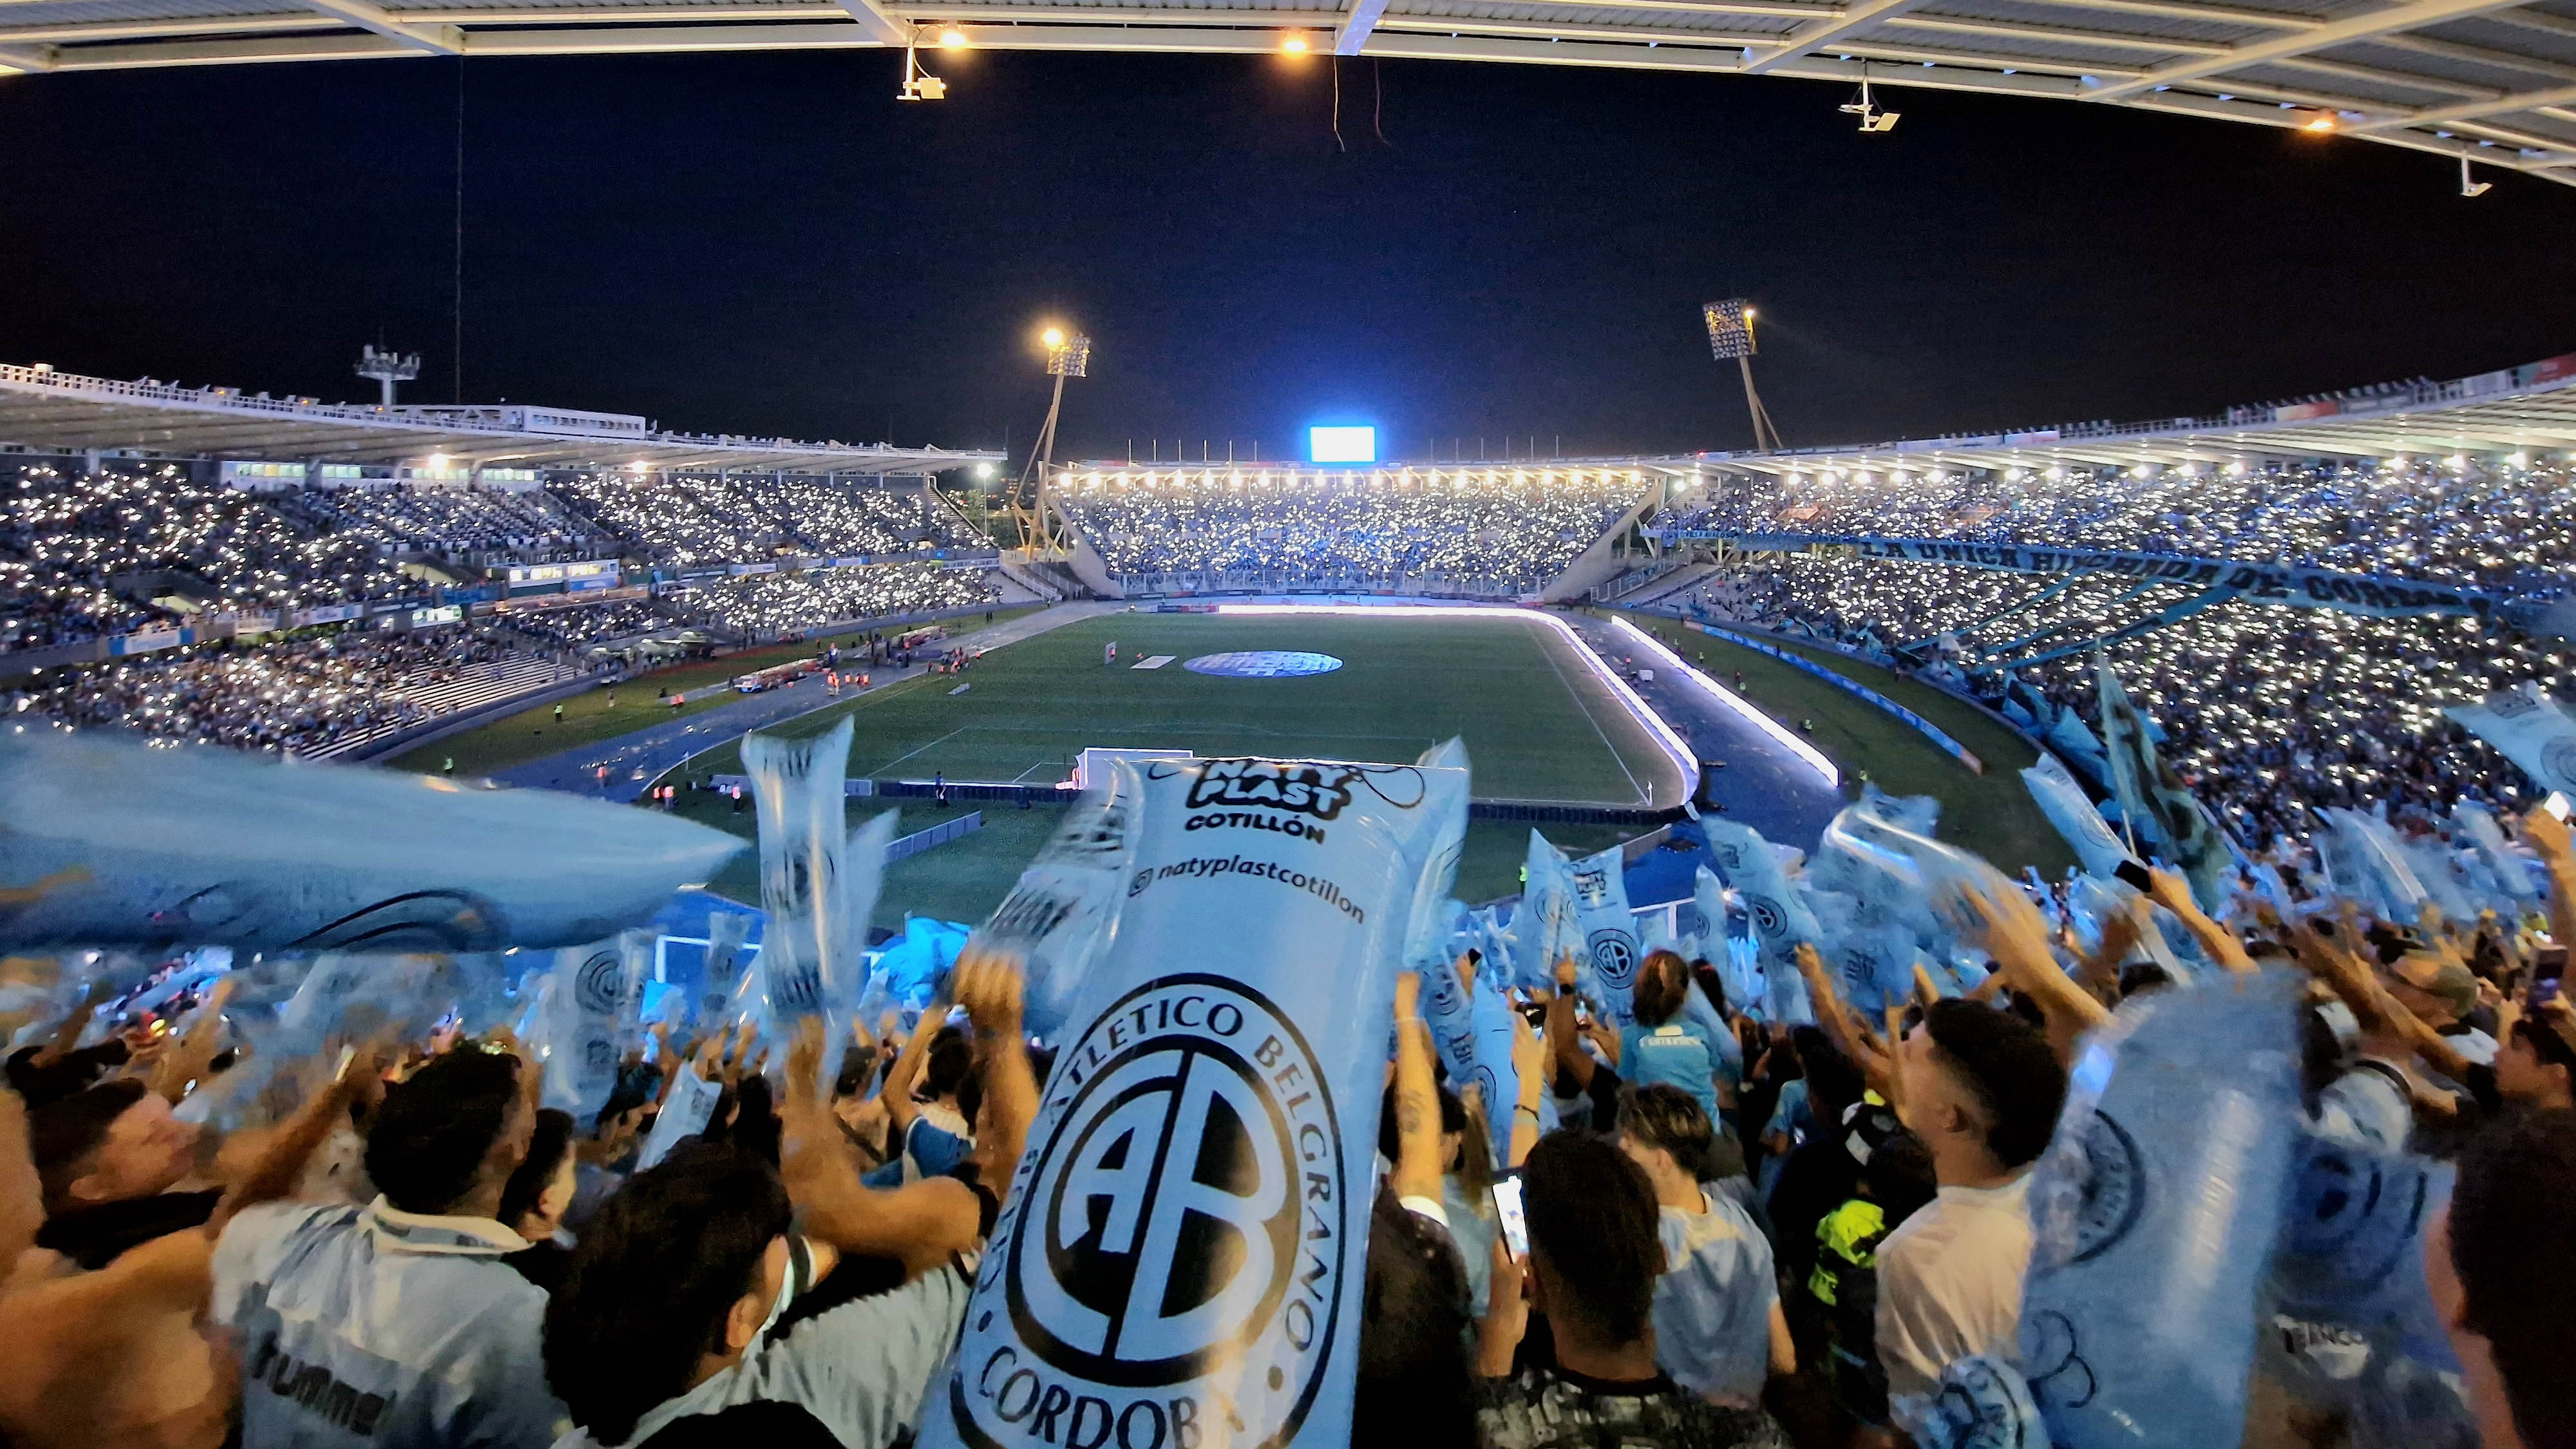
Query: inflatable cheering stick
(109, 843)
(1184, 1251)
(2154, 1212)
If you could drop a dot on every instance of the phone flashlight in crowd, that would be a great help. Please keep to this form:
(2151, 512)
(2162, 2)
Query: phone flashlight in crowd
(2548, 969)
(1507, 1210)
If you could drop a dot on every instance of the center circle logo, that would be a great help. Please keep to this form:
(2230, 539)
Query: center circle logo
(1263, 664)
(1173, 1265)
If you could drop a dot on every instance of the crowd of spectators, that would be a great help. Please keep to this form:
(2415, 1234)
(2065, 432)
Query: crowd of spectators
(766, 605)
(86, 555)
(2266, 710)
(1496, 532)
(457, 522)
(1709, 1229)
(82, 554)
(296, 696)
(572, 629)
(2459, 519)
(686, 519)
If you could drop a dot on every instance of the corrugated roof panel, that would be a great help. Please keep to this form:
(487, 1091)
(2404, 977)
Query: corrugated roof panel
(36, 13)
(2390, 94)
(2034, 12)
(1649, 22)
(2130, 55)
(2494, 33)
(2467, 78)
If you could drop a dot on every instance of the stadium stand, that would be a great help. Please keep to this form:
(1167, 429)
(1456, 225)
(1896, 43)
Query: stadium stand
(312, 697)
(769, 604)
(80, 555)
(2499, 526)
(685, 519)
(468, 524)
(131, 554)
(1481, 531)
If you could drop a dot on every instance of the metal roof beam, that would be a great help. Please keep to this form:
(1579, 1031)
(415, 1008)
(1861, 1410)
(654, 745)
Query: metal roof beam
(2018, 30)
(1357, 22)
(26, 57)
(2412, 15)
(2201, 14)
(880, 24)
(364, 14)
(1822, 32)
(2467, 110)
(246, 50)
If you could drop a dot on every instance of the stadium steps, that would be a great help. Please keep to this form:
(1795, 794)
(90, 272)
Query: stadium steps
(1664, 585)
(1024, 573)
(482, 684)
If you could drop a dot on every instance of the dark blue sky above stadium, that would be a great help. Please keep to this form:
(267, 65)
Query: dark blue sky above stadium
(772, 243)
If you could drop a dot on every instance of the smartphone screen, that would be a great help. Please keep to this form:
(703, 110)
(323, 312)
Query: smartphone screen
(2556, 804)
(2133, 874)
(2548, 968)
(1507, 1209)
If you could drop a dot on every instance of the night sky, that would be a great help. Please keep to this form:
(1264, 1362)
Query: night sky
(759, 243)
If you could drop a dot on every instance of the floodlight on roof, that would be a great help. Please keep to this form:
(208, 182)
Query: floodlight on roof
(1294, 42)
(1873, 121)
(952, 38)
(919, 84)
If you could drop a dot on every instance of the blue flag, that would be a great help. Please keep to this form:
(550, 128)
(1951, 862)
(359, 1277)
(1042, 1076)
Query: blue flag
(1780, 919)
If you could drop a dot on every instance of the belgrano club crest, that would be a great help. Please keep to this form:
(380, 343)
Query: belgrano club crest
(1169, 1268)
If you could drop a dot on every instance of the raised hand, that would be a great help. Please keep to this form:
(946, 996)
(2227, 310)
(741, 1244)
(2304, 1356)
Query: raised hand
(988, 984)
(805, 1067)
(2547, 835)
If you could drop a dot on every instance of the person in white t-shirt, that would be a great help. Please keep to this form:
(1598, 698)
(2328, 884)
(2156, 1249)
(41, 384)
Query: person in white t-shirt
(1982, 1088)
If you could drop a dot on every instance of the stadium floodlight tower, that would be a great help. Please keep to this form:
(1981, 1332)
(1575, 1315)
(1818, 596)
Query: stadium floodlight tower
(387, 368)
(1730, 334)
(1068, 354)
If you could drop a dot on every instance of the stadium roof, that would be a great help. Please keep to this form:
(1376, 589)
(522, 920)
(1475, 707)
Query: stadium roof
(2488, 81)
(2529, 410)
(58, 412)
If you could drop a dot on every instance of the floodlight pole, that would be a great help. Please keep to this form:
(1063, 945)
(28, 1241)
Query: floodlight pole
(1765, 436)
(1730, 334)
(1067, 356)
(1037, 530)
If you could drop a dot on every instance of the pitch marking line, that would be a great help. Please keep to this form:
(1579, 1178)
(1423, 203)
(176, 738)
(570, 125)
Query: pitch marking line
(908, 754)
(1643, 798)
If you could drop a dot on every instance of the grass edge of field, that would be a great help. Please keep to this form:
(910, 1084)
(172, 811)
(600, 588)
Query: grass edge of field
(1991, 814)
(471, 747)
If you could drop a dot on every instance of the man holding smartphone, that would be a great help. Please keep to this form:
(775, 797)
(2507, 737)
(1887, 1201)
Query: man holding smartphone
(1595, 1251)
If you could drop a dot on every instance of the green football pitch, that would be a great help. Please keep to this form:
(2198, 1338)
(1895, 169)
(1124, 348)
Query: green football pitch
(1540, 723)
